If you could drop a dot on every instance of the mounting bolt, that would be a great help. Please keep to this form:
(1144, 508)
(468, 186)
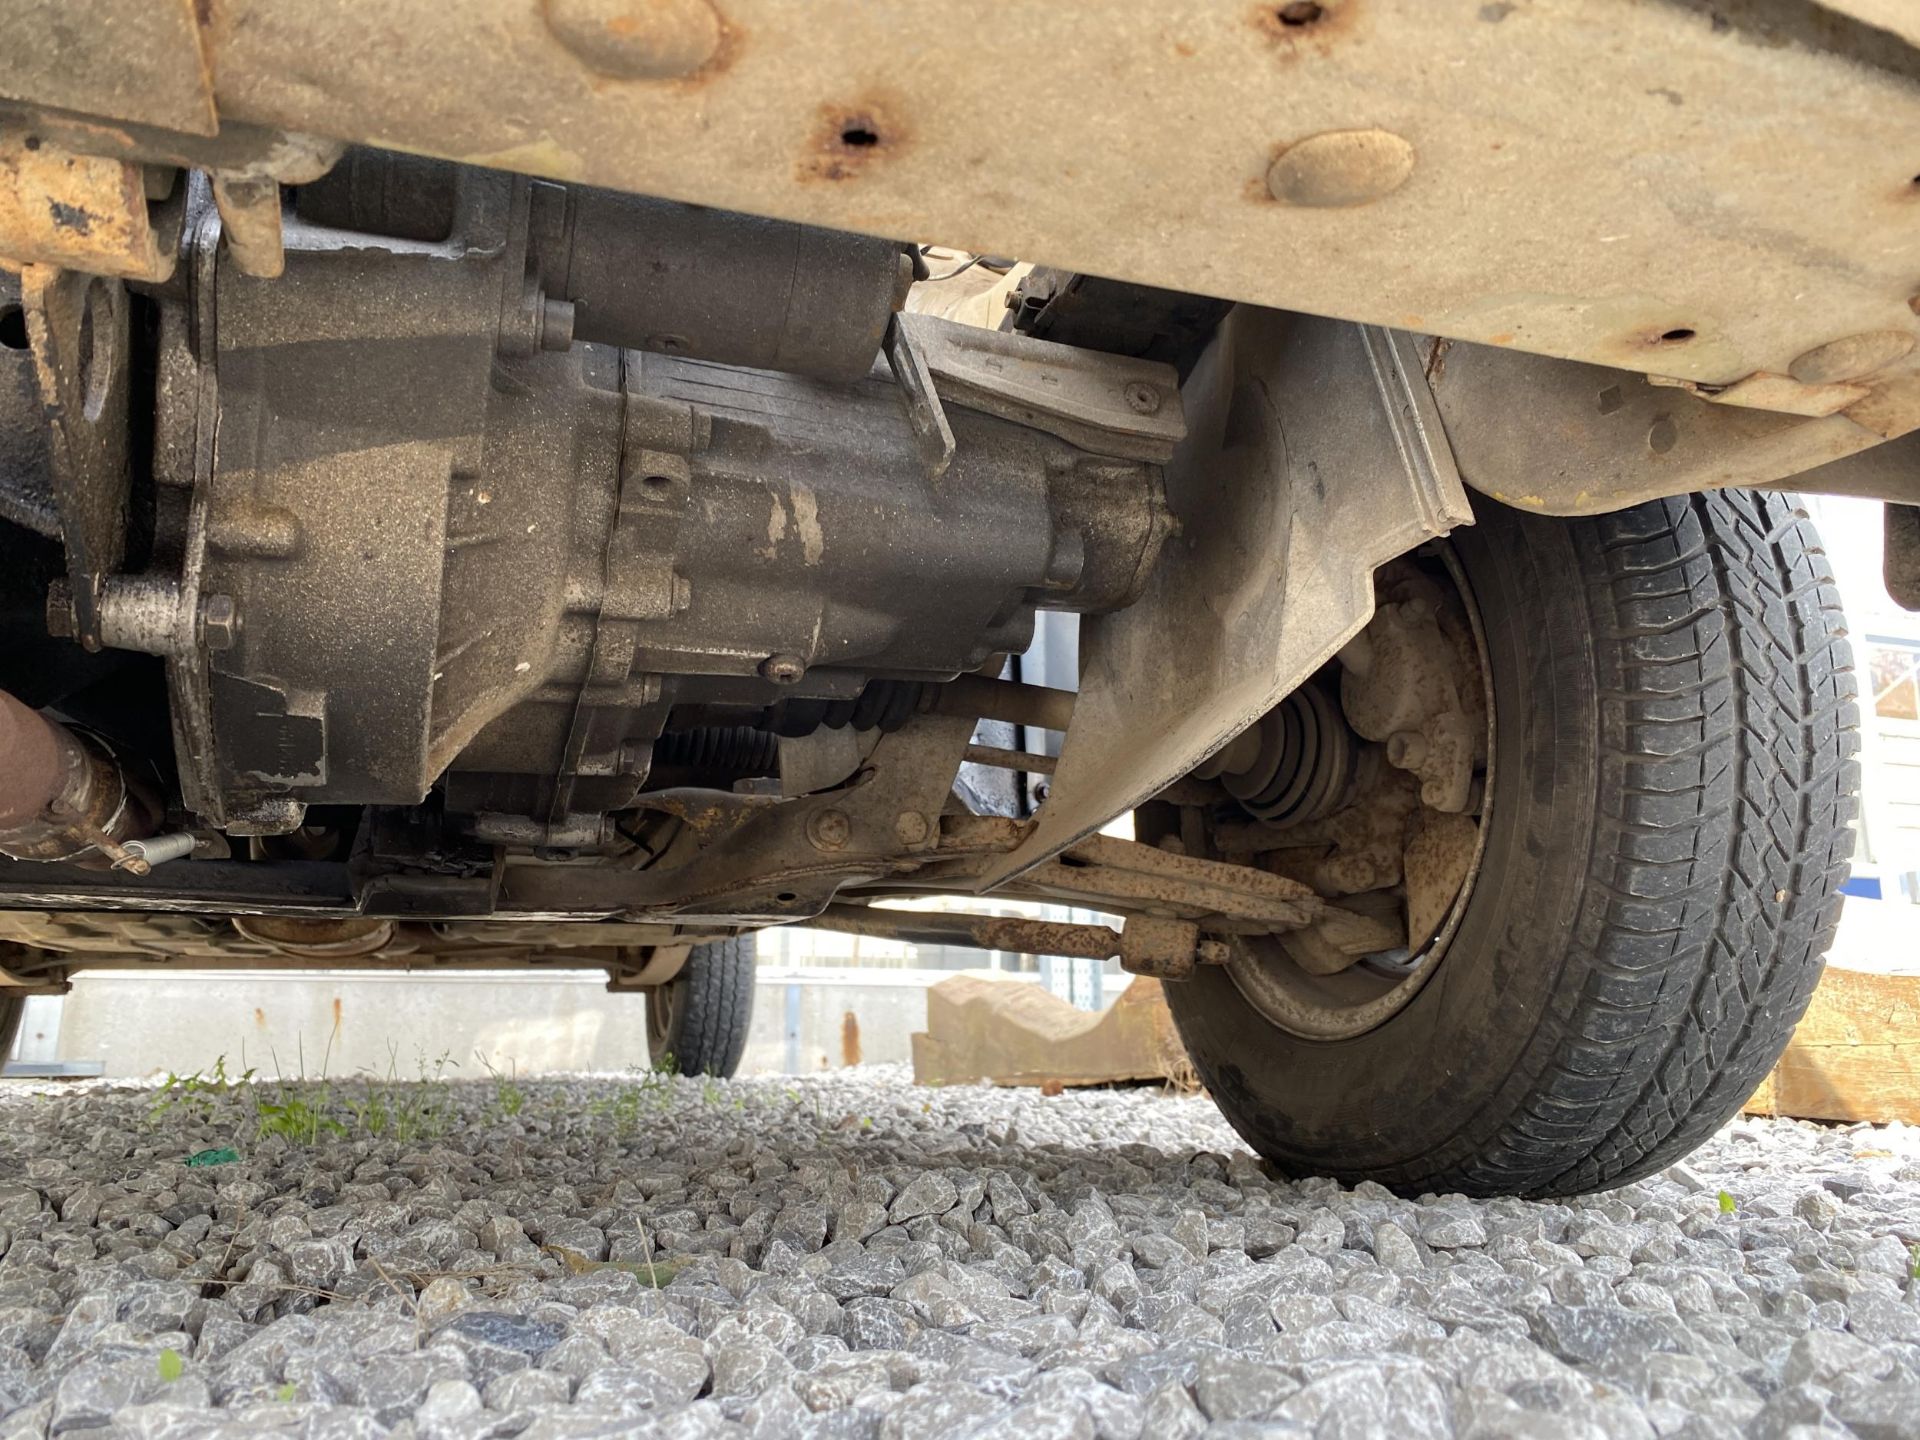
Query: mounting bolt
(219, 622)
(1141, 398)
(1213, 952)
(783, 669)
(829, 829)
(1406, 749)
(912, 828)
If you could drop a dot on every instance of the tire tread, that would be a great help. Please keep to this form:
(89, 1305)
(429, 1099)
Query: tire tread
(1694, 958)
(718, 1007)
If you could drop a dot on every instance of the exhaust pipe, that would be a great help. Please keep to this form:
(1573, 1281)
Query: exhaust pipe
(63, 796)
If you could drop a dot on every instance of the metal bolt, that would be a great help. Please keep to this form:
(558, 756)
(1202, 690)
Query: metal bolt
(1212, 952)
(829, 829)
(783, 669)
(219, 622)
(912, 828)
(1406, 749)
(1141, 398)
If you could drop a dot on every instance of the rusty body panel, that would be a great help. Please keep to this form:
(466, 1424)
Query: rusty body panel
(1683, 248)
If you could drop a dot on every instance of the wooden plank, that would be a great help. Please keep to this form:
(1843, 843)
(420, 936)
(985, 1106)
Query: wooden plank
(1012, 1033)
(1855, 1055)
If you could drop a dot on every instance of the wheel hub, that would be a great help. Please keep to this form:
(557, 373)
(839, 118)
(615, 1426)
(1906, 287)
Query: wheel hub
(1371, 784)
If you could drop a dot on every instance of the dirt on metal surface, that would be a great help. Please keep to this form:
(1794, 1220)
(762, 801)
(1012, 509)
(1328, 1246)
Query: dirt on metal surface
(78, 212)
(31, 764)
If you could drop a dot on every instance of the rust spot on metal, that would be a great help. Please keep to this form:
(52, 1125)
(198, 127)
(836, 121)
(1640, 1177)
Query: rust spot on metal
(259, 1017)
(1293, 27)
(336, 1012)
(850, 139)
(849, 1039)
(1051, 1087)
(32, 767)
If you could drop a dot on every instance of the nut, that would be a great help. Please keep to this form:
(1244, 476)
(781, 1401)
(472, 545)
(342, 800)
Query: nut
(1141, 398)
(219, 622)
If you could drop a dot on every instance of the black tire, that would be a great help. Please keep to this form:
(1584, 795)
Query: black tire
(1674, 732)
(699, 1019)
(11, 1011)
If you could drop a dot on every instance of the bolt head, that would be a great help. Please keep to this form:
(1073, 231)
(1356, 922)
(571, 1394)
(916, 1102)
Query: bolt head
(829, 829)
(783, 669)
(219, 622)
(912, 828)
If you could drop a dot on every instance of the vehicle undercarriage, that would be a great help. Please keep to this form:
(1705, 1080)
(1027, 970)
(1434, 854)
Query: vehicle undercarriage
(419, 553)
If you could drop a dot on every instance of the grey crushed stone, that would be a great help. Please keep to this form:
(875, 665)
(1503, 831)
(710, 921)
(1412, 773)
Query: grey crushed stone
(849, 1257)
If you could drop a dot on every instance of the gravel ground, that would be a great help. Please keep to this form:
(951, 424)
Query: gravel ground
(852, 1256)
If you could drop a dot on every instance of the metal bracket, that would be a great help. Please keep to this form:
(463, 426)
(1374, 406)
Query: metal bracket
(83, 212)
(931, 430)
(662, 964)
(1314, 454)
(77, 325)
(1107, 404)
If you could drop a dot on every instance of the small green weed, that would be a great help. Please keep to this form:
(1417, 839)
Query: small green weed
(1727, 1203)
(297, 1118)
(202, 1094)
(171, 1365)
(508, 1098)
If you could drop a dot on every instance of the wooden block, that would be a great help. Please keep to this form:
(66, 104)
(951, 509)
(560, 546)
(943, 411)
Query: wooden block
(1013, 1033)
(1855, 1055)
